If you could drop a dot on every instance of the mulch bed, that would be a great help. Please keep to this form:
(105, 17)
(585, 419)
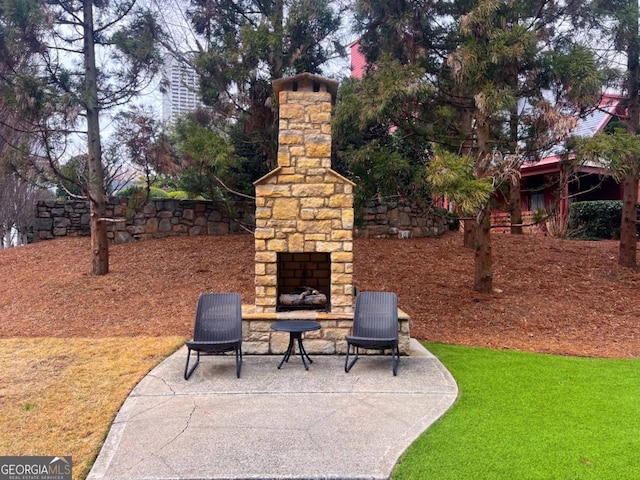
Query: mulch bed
(552, 296)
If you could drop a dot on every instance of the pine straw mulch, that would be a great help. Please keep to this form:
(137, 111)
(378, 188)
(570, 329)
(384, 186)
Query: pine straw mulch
(552, 296)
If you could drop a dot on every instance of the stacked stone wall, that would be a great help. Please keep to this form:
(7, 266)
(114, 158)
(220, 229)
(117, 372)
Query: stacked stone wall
(399, 220)
(156, 219)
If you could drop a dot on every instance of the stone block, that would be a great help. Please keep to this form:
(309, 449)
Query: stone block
(344, 256)
(341, 235)
(304, 163)
(319, 347)
(266, 280)
(285, 209)
(123, 237)
(315, 226)
(279, 342)
(61, 222)
(277, 245)
(273, 191)
(263, 213)
(348, 324)
(318, 150)
(313, 202)
(264, 233)
(300, 125)
(292, 111)
(334, 334)
(341, 347)
(296, 242)
(255, 348)
(295, 178)
(347, 219)
(315, 175)
(44, 224)
(283, 225)
(59, 232)
(164, 226)
(151, 225)
(328, 246)
(342, 301)
(149, 208)
(291, 137)
(217, 228)
(320, 117)
(214, 216)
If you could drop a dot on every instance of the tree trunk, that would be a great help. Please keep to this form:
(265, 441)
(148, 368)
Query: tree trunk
(483, 272)
(483, 268)
(627, 252)
(278, 47)
(515, 206)
(469, 239)
(96, 193)
(628, 234)
(467, 122)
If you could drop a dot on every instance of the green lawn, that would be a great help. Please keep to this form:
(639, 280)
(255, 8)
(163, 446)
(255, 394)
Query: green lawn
(529, 416)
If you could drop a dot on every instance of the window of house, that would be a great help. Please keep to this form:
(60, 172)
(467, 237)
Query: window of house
(536, 201)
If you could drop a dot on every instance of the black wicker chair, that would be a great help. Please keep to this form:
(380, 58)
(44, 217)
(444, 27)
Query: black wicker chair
(218, 328)
(375, 327)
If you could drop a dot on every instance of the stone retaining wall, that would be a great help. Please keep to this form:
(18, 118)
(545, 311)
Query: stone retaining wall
(398, 220)
(166, 217)
(156, 219)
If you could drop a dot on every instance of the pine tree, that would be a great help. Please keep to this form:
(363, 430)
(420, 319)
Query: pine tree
(71, 60)
(246, 44)
(488, 69)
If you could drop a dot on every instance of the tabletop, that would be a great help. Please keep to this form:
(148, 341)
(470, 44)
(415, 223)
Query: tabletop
(295, 326)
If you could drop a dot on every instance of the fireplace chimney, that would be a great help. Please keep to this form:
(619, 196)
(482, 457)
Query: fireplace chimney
(304, 209)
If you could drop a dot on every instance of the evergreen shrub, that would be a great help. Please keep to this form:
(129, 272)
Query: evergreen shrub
(597, 220)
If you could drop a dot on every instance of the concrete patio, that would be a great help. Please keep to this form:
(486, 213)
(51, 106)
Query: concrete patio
(275, 424)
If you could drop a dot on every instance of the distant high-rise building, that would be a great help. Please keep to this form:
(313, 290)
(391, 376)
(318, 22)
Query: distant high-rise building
(182, 93)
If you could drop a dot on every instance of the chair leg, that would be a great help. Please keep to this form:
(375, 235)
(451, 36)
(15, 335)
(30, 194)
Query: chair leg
(346, 358)
(395, 359)
(347, 365)
(187, 372)
(238, 361)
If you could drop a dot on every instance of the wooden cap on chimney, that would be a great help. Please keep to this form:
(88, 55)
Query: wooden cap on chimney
(306, 82)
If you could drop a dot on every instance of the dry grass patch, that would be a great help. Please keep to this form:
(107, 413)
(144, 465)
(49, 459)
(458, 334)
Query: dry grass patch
(59, 396)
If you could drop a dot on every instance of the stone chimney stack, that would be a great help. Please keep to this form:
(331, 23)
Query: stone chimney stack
(304, 209)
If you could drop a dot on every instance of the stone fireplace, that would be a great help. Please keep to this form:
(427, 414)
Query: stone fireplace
(304, 228)
(304, 209)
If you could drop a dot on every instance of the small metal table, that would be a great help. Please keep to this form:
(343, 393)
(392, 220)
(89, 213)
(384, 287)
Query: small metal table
(295, 328)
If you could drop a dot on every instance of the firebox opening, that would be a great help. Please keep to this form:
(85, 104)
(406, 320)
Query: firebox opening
(304, 275)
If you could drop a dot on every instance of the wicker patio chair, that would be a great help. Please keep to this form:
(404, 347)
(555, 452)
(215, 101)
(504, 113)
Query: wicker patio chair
(218, 328)
(375, 327)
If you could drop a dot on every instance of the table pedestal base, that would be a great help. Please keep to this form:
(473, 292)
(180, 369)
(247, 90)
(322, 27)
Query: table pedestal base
(293, 336)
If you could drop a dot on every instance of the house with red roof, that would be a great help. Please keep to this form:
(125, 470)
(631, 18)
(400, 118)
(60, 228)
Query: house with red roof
(553, 182)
